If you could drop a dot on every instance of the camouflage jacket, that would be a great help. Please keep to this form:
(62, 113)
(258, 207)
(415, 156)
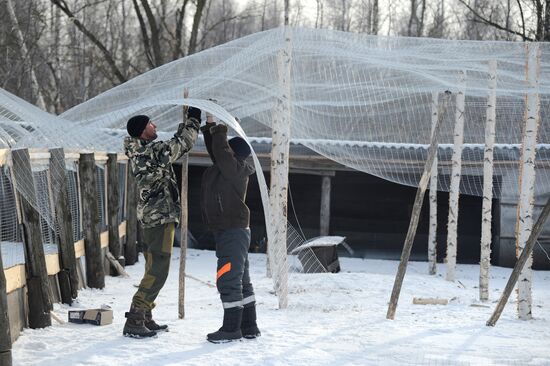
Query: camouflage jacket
(151, 162)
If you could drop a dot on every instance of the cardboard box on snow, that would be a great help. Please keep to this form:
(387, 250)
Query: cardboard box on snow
(91, 316)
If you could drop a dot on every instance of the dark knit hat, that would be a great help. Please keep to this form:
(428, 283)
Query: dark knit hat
(239, 147)
(137, 124)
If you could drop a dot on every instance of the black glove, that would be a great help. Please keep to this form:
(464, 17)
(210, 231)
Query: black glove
(193, 112)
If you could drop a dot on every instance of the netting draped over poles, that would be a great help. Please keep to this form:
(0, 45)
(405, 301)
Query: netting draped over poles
(363, 101)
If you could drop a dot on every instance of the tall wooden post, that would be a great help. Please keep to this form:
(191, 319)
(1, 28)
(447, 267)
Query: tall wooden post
(487, 205)
(95, 272)
(38, 291)
(5, 334)
(68, 275)
(130, 252)
(527, 179)
(112, 204)
(432, 235)
(454, 193)
(183, 236)
(325, 206)
(415, 217)
(277, 251)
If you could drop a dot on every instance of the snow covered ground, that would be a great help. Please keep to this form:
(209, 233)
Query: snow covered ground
(332, 319)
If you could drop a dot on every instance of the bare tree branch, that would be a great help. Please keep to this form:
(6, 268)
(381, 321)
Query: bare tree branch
(484, 20)
(106, 54)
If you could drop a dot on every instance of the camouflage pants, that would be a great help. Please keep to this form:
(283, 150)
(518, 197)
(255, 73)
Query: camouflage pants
(157, 250)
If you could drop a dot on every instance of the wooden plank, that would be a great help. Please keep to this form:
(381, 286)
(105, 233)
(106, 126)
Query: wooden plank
(95, 273)
(40, 298)
(429, 301)
(130, 251)
(183, 237)
(52, 264)
(415, 217)
(68, 280)
(5, 333)
(79, 248)
(113, 204)
(104, 239)
(122, 229)
(4, 155)
(15, 277)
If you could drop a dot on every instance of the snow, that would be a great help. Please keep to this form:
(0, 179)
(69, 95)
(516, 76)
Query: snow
(332, 319)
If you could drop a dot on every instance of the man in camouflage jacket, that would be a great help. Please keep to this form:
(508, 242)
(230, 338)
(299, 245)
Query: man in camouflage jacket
(158, 209)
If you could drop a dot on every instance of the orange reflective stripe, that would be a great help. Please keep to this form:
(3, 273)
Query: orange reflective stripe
(225, 268)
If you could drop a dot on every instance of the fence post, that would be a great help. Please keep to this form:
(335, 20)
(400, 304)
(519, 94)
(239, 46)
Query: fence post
(68, 276)
(5, 335)
(112, 204)
(39, 297)
(95, 272)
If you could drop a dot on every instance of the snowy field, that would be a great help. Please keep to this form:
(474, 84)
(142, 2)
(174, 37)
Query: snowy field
(332, 319)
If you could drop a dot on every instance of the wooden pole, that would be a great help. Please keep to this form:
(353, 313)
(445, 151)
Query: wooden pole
(527, 179)
(487, 205)
(325, 206)
(38, 290)
(68, 275)
(432, 235)
(95, 271)
(5, 334)
(113, 204)
(454, 192)
(183, 236)
(130, 252)
(520, 264)
(422, 185)
(277, 251)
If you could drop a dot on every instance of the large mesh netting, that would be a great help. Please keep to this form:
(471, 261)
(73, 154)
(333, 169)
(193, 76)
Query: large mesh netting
(363, 101)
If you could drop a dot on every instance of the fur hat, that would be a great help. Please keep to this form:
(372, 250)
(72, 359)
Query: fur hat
(137, 124)
(239, 147)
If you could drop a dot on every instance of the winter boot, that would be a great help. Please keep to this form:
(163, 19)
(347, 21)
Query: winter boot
(135, 324)
(249, 328)
(231, 328)
(152, 325)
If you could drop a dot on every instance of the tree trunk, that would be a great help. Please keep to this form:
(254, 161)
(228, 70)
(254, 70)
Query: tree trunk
(454, 192)
(195, 29)
(432, 235)
(485, 255)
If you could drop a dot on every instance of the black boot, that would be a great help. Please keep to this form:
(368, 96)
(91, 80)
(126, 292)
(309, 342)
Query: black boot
(152, 325)
(231, 328)
(135, 324)
(249, 328)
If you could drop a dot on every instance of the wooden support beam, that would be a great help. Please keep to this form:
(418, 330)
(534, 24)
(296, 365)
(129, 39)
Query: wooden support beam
(415, 217)
(325, 206)
(183, 237)
(130, 251)
(39, 296)
(113, 204)
(95, 272)
(5, 334)
(68, 276)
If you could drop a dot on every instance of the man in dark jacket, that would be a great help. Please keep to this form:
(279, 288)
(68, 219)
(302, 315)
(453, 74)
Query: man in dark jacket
(223, 194)
(158, 209)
